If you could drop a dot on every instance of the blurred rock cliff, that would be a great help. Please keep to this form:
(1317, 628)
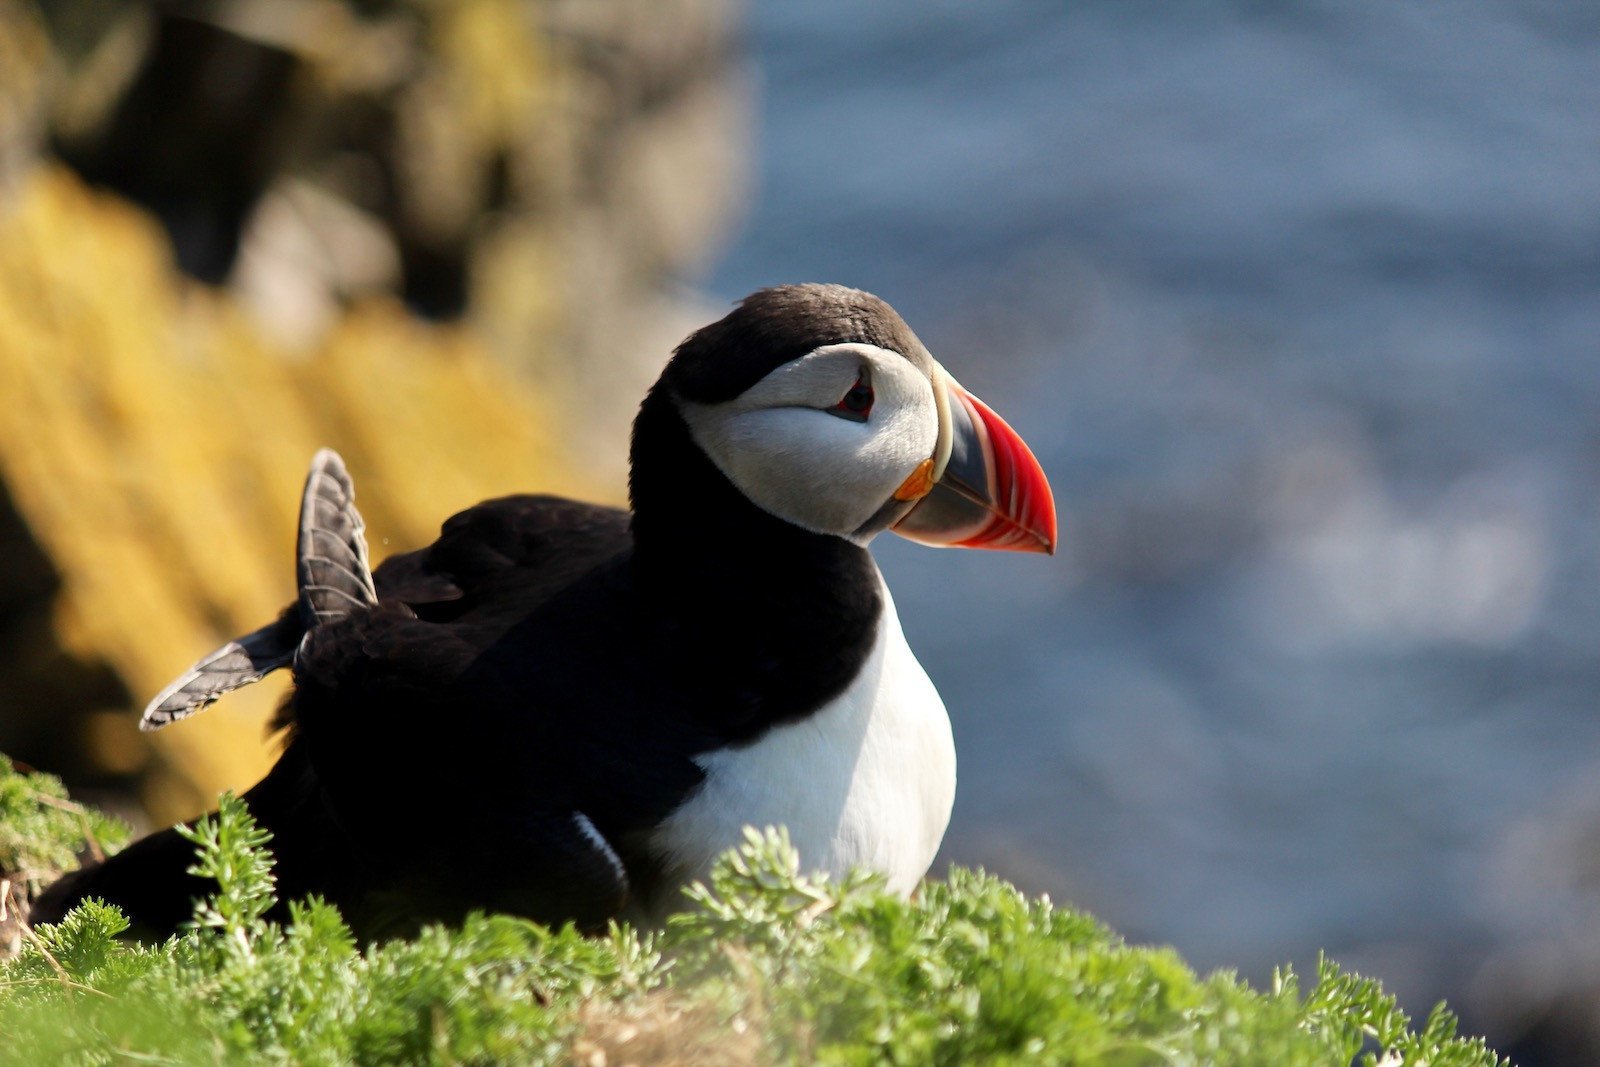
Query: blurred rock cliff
(452, 240)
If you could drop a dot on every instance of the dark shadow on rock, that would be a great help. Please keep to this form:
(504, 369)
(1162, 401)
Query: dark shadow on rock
(45, 690)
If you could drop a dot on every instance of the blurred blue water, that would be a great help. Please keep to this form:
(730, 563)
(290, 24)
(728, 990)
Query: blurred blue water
(1300, 307)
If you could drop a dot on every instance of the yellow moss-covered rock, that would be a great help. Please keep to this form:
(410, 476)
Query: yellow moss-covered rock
(153, 440)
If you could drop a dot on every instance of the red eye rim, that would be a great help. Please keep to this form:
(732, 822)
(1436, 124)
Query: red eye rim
(856, 405)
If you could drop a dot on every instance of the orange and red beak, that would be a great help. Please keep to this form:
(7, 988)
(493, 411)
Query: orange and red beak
(983, 488)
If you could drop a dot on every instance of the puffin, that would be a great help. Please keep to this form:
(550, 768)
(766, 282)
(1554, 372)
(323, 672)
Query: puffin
(567, 711)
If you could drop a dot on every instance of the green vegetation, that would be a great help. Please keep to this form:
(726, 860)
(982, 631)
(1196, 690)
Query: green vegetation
(767, 966)
(42, 833)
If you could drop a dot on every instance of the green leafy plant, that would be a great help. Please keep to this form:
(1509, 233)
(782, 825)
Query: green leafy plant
(766, 965)
(42, 831)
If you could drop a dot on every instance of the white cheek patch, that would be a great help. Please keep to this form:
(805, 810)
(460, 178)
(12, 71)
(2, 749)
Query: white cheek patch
(779, 445)
(799, 463)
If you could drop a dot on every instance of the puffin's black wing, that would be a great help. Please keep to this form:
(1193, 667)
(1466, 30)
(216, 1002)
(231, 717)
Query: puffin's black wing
(442, 754)
(451, 732)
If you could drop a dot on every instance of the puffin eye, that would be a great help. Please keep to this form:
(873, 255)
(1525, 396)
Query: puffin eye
(857, 403)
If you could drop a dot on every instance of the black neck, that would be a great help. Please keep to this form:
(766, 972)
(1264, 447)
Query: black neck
(780, 617)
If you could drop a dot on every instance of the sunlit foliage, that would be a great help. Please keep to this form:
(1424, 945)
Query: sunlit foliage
(766, 965)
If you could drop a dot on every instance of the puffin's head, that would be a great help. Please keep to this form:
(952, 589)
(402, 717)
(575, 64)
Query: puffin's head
(821, 406)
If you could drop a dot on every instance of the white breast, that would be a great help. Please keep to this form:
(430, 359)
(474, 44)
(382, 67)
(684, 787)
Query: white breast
(866, 781)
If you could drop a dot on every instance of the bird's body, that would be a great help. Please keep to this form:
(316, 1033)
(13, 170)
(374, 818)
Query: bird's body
(566, 711)
(880, 781)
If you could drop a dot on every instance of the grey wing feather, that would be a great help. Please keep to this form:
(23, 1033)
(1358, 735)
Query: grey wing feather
(611, 862)
(331, 566)
(333, 576)
(236, 664)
